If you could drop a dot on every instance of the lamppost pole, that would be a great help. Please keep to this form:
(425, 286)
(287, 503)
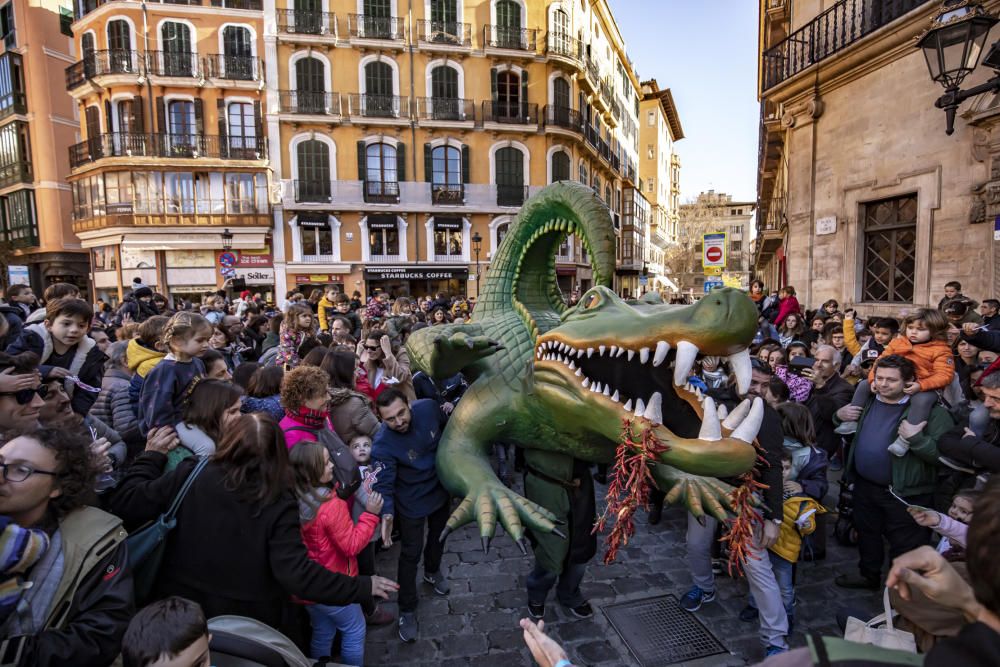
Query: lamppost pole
(477, 246)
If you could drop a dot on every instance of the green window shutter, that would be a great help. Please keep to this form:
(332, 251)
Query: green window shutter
(136, 122)
(361, 161)
(401, 162)
(161, 115)
(199, 116)
(524, 94)
(428, 163)
(466, 164)
(493, 83)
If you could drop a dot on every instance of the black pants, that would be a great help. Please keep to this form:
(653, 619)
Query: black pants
(411, 535)
(876, 515)
(366, 567)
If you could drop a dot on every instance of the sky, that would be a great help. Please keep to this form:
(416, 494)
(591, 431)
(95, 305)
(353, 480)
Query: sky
(705, 51)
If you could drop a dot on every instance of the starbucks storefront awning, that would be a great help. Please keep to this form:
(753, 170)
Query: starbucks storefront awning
(416, 273)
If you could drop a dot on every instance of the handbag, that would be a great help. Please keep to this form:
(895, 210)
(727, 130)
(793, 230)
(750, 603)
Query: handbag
(860, 632)
(146, 545)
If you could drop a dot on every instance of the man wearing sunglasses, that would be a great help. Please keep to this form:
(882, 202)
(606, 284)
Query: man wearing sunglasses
(21, 393)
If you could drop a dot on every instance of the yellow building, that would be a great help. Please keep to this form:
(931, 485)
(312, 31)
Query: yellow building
(409, 130)
(37, 122)
(172, 165)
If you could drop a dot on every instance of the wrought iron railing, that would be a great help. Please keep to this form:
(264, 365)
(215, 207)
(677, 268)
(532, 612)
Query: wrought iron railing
(166, 63)
(363, 26)
(235, 68)
(301, 22)
(253, 5)
(514, 113)
(446, 33)
(561, 44)
(771, 215)
(564, 117)
(511, 195)
(98, 63)
(379, 106)
(133, 144)
(831, 31)
(445, 108)
(518, 39)
(316, 190)
(453, 194)
(306, 102)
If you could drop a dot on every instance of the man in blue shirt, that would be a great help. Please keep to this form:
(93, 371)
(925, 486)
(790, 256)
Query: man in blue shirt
(406, 447)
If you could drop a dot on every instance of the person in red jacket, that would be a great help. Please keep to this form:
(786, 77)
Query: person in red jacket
(334, 541)
(787, 304)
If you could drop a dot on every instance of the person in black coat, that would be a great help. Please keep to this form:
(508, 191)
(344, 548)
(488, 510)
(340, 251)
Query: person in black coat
(138, 306)
(830, 393)
(14, 318)
(237, 548)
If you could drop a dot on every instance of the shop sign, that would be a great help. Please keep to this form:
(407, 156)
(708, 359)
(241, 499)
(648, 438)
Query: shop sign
(317, 279)
(415, 273)
(382, 222)
(245, 259)
(313, 220)
(264, 276)
(448, 224)
(565, 270)
(17, 274)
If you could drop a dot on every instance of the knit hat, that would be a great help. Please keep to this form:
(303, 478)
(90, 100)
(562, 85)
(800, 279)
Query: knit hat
(141, 292)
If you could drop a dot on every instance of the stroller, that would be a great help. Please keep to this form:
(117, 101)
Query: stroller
(238, 641)
(844, 530)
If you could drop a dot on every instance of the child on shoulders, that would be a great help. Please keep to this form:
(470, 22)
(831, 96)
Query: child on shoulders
(162, 400)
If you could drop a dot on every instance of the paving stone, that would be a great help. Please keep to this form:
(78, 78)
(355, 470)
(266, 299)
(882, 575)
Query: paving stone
(465, 604)
(505, 639)
(464, 645)
(596, 651)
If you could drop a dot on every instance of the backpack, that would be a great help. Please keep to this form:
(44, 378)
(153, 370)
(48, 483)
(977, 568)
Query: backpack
(346, 474)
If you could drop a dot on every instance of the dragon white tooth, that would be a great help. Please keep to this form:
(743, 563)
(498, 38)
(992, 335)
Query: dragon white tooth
(586, 382)
(596, 387)
(605, 390)
(631, 353)
(601, 349)
(738, 414)
(698, 394)
(572, 366)
(640, 408)
(747, 431)
(590, 352)
(614, 396)
(643, 355)
(579, 372)
(579, 353)
(723, 411)
(688, 387)
(614, 351)
(686, 354)
(742, 368)
(621, 351)
(711, 429)
(628, 405)
(654, 411)
(662, 348)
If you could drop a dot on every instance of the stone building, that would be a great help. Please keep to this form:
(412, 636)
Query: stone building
(863, 197)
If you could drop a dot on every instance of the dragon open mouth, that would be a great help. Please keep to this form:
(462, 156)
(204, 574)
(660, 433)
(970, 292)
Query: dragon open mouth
(644, 382)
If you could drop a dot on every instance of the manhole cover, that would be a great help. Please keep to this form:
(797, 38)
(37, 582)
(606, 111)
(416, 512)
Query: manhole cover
(658, 632)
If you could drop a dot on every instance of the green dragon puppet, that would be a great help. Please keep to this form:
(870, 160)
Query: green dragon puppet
(561, 381)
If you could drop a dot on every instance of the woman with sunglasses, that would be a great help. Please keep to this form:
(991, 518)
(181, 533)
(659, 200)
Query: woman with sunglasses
(385, 365)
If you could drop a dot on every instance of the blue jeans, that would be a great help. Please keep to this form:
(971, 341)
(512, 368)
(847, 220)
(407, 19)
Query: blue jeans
(326, 621)
(783, 574)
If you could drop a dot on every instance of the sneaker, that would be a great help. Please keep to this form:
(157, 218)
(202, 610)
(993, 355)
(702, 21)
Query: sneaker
(536, 611)
(774, 650)
(899, 447)
(582, 611)
(696, 597)
(856, 581)
(438, 581)
(408, 628)
(847, 428)
(749, 614)
(955, 465)
(380, 617)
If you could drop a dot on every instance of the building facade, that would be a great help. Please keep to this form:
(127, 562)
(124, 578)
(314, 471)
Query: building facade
(711, 213)
(37, 121)
(863, 197)
(659, 170)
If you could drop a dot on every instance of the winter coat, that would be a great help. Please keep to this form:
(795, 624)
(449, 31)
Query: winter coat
(288, 349)
(934, 360)
(270, 340)
(789, 542)
(228, 554)
(809, 466)
(396, 366)
(786, 307)
(799, 387)
(15, 324)
(139, 310)
(331, 537)
(141, 359)
(980, 453)
(270, 405)
(823, 403)
(114, 406)
(851, 337)
(351, 414)
(87, 363)
(326, 310)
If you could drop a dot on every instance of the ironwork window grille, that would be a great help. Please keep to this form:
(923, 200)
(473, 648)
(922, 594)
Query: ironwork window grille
(314, 170)
(890, 237)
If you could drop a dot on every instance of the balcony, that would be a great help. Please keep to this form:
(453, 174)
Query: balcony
(447, 195)
(830, 32)
(382, 192)
(15, 172)
(234, 68)
(446, 109)
(251, 5)
(771, 224)
(592, 78)
(84, 7)
(511, 195)
(313, 191)
(511, 39)
(165, 63)
(564, 117)
(188, 213)
(363, 27)
(103, 63)
(390, 107)
(444, 35)
(14, 102)
(563, 48)
(307, 23)
(309, 103)
(510, 113)
(132, 145)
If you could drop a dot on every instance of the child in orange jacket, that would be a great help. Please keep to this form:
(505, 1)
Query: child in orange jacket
(923, 343)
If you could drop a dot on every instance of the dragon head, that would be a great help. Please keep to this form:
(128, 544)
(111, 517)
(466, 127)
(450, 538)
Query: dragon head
(608, 361)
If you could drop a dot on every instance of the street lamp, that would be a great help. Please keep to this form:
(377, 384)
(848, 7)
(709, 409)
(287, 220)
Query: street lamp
(477, 246)
(952, 46)
(227, 240)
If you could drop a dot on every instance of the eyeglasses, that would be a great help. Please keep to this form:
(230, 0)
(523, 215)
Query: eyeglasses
(18, 472)
(25, 396)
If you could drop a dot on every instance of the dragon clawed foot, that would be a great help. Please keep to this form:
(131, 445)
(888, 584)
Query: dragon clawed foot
(700, 495)
(495, 502)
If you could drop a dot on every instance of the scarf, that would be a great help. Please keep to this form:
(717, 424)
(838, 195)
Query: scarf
(310, 502)
(310, 418)
(33, 609)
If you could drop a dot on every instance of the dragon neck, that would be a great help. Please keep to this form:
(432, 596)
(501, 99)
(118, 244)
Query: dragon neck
(522, 275)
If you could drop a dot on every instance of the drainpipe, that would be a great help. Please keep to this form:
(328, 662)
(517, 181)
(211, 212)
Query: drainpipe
(413, 122)
(149, 86)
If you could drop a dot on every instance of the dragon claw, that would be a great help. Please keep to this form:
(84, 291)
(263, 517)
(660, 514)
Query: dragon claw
(444, 534)
(556, 531)
(522, 544)
(486, 544)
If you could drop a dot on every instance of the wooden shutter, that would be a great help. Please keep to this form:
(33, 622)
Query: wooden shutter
(466, 164)
(161, 115)
(401, 162)
(136, 125)
(108, 119)
(428, 163)
(199, 117)
(493, 83)
(362, 171)
(220, 107)
(524, 94)
(258, 119)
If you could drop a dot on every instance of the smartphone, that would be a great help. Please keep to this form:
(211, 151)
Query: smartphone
(799, 364)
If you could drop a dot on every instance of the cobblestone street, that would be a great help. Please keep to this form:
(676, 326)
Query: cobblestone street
(477, 622)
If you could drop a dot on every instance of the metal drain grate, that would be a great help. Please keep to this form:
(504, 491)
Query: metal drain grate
(658, 632)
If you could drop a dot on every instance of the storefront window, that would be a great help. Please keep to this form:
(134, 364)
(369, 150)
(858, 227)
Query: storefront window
(317, 241)
(383, 235)
(448, 237)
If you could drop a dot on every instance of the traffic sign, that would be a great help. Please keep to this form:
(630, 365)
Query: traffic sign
(713, 270)
(713, 249)
(227, 259)
(713, 284)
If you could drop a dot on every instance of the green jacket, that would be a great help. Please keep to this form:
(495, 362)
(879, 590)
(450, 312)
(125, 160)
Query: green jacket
(916, 472)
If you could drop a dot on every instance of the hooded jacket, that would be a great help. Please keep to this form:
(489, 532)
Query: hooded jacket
(15, 324)
(326, 310)
(331, 537)
(934, 360)
(795, 525)
(351, 414)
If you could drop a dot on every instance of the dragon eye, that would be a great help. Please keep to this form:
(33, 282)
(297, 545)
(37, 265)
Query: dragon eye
(591, 300)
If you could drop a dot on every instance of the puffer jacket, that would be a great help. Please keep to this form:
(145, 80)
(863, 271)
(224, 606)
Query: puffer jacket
(351, 414)
(142, 359)
(113, 405)
(789, 542)
(934, 360)
(326, 310)
(331, 537)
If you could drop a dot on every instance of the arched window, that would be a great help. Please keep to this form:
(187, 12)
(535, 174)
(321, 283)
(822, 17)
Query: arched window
(561, 39)
(238, 61)
(313, 161)
(446, 174)
(176, 52)
(560, 166)
(87, 49)
(120, 46)
(583, 173)
(310, 85)
(560, 94)
(381, 175)
(509, 15)
(502, 232)
(508, 96)
(510, 176)
(379, 100)
(444, 93)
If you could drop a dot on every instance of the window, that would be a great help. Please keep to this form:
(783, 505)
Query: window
(66, 21)
(181, 123)
(651, 118)
(560, 94)
(175, 41)
(178, 191)
(240, 194)
(446, 175)
(507, 32)
(383, 235)
(583, 173)
(502, 232)
(507, 103)
(381, 173)
(242, 129)
(12, 93)
(310, 85)
(376, 23)
(444, 93)
(444, 15)
(313, 158)
(118, 192)
(316, 234)
(650, 152)
(18, 224)
(238, 60)
(890, 229)
(510, 176)
(560, 166)
(308, 17)
(447, 237)
(560, 32)
(379, 100)
(7, 33)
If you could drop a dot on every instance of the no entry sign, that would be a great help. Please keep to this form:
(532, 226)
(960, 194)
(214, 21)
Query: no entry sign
(713, 250)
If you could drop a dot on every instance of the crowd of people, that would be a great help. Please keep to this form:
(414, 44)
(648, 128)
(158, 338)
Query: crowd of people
(280, 449)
